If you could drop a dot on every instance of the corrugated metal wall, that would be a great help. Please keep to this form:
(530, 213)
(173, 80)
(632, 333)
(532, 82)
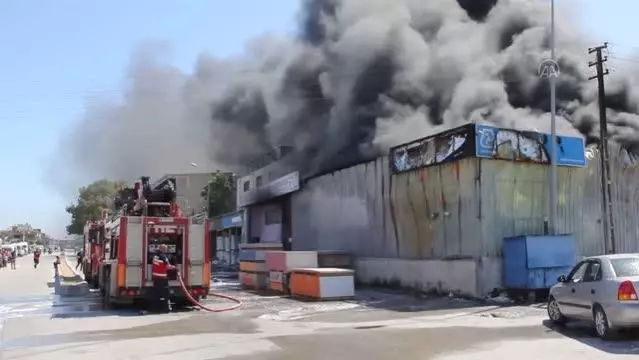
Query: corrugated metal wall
(515, 197)
(445, 211)
(421, 214)
(625, 201)
(514, 200)
(436, 211)
(346, 210)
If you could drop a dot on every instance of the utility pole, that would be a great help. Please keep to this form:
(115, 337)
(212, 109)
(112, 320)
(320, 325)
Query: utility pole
(554, 203)
(604, 159)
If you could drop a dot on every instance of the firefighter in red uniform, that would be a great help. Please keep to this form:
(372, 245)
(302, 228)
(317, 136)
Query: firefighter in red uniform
(159, 272)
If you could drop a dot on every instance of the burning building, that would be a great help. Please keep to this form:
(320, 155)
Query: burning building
(434, 212)
(361, 77)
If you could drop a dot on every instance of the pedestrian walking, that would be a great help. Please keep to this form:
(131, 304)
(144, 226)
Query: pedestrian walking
(79, 257)
(4, 258)
(12, 259)
(56, 266)
(36, 259)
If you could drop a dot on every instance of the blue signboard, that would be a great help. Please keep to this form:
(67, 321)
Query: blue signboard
(232, 220)
(527, 146)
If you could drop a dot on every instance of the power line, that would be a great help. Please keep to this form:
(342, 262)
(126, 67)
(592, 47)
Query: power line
(613, 45)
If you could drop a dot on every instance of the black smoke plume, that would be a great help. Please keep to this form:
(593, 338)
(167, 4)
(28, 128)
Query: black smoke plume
(362, 75)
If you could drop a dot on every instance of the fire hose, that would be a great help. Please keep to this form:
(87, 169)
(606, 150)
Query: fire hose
(195, 303)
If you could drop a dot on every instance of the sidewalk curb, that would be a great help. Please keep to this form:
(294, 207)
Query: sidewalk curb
(73, 269)
(75, 286)
(77, 275)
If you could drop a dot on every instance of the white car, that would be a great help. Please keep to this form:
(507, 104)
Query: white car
(602, 289)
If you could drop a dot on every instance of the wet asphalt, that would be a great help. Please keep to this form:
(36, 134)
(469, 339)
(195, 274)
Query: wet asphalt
(35, 323)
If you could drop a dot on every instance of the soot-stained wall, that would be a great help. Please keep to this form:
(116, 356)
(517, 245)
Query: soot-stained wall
(414, 215)
(458, 209)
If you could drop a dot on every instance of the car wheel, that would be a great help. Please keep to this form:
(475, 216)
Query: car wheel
(602, 327)
(554, 313)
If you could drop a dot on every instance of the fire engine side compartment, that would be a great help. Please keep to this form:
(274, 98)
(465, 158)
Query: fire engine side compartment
(93, 270)
(196, 253)
(125, 272)
(134, 251)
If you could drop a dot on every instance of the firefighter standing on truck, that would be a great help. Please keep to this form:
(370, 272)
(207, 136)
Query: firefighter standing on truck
(159, 273)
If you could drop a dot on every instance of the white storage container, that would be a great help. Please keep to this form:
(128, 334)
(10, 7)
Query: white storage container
(322, 283)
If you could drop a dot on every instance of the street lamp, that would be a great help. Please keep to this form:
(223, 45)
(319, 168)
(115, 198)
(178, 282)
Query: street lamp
(553, 127)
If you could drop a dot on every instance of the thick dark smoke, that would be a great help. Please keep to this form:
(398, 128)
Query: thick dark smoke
(361, 76)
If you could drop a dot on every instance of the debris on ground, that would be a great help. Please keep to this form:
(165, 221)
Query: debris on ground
(497, 297)
(500, 300)
(282, 308)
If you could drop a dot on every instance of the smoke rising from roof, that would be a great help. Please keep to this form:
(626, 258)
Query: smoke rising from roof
(361, 76)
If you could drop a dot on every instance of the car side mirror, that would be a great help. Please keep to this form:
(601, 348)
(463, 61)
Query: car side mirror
(562, 279)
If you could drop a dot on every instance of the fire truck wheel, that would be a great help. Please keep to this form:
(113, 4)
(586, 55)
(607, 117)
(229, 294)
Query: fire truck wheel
(181, 303)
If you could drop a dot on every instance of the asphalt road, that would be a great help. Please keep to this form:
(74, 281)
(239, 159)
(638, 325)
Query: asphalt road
(37, 324)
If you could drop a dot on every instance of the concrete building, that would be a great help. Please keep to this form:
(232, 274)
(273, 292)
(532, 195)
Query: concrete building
(265, 195)
(20, 233)
(189, 190)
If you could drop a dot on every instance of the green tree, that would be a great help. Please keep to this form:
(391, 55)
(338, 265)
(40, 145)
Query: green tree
(220, 193)
(92, 199)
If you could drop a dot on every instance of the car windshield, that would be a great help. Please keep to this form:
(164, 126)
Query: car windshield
(626, 266)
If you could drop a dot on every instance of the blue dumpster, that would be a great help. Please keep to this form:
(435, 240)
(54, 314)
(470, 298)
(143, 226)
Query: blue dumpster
(533, 262)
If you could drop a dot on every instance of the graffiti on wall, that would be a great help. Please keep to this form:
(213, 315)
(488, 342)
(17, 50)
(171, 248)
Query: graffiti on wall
(529, 146)
(433, 150)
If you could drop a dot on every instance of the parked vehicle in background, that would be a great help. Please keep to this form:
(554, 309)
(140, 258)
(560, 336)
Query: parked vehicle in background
(602, 289)
(21, 248)
(8, 247)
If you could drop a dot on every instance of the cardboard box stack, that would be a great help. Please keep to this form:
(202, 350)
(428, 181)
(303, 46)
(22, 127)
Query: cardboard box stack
(253, 270)
(280, 263)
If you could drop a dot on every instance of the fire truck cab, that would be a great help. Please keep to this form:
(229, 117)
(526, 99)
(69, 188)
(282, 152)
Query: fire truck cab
(132, 240)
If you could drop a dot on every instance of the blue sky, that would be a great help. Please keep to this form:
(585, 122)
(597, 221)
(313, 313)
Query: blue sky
(54, 53)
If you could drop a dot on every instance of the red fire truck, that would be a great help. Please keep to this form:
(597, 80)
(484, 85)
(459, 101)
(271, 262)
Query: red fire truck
(93, 246)
(132, 237)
